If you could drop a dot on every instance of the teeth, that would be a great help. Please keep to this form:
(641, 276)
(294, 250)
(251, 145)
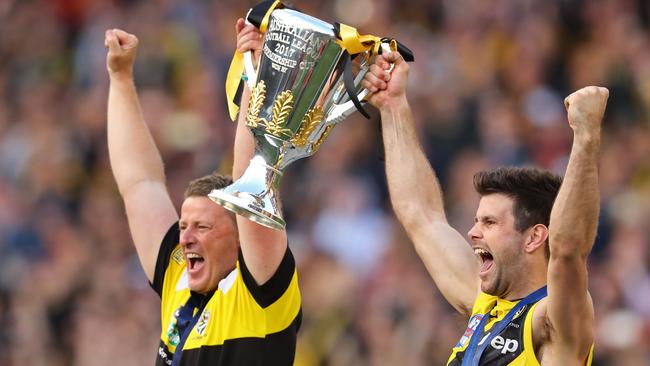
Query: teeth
(479, 251)
(193, 256)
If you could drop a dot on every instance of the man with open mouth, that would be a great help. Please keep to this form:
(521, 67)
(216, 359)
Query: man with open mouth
(522, 282)
(228, 285)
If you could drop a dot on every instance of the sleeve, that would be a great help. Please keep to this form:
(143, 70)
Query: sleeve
(168, 244)
(275, 287)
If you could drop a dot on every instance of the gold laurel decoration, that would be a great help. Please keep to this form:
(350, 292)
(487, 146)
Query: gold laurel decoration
(281, 110)
(322, 138)
(307, 126)
(257, 100)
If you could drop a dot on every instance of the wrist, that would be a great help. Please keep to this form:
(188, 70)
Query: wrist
(587, 138)
(394, 104)
(121, 76)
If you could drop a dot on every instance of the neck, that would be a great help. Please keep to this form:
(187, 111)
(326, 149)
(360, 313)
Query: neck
(530, 282)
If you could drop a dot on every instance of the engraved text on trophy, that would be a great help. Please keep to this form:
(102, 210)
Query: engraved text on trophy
(284, 42)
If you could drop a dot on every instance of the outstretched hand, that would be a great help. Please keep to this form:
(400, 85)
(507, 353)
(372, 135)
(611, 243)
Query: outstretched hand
(122, 48)
(386, 87)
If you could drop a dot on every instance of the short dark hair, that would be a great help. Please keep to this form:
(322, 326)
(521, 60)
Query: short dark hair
(533, 191)
(201, 187)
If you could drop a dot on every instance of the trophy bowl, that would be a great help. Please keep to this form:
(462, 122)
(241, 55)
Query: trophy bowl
(298, 95)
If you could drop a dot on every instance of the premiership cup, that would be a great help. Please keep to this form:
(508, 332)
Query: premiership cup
(298, 94)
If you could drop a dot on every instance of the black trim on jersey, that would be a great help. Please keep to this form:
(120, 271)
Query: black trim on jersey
(277, 349)
(167, 246)
(274, 288)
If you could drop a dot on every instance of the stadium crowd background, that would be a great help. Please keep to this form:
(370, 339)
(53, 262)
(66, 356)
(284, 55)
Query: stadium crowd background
(486, 88)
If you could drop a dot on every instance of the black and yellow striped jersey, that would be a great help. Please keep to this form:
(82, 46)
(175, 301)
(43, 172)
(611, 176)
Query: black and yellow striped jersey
(513, 346)
(239, 323)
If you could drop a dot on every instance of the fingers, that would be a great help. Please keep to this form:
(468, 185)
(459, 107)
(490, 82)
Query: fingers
(248, 38)
(127, 40)
(246, 29)
(376, 79)
(239, 25)
(382, 62)
(110, 41)
(249, 41)
(392, 57)
(117, 39)
(587, 92)
(372, 83)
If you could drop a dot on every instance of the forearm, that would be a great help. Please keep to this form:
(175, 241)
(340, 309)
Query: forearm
(574, 217)
(133, 155)
(414, 189)
(244, 143)
(417, 200)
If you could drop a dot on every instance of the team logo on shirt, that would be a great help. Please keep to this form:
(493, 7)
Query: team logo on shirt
(202, 324)
(474, 321)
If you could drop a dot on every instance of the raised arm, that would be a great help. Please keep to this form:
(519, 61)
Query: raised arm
(572, 231)
(263, 248)
(135, 160)
(415, 191)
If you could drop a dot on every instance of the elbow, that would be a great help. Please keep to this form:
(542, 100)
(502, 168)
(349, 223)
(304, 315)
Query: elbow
(569, 247)
(414, 215)
(130, 187)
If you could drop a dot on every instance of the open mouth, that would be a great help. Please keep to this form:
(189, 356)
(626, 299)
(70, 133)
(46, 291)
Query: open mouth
(486, 259)
(194, 261)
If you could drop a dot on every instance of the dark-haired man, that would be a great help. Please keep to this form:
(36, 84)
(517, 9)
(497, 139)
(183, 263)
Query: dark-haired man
(522, 281)
(228, 286)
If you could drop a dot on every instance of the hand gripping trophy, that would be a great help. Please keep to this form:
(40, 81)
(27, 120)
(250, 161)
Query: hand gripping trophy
(303, 87)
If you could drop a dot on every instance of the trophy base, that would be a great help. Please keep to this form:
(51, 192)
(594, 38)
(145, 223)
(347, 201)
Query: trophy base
(247, 205)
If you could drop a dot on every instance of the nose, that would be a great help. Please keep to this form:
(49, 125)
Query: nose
(186, 237)
(474, 233)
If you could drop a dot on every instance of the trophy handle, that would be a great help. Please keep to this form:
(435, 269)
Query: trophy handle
(251, 74)
(344, 110)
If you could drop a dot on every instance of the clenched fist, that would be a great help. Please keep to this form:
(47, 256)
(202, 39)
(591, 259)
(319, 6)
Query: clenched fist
(386, 87)
(585, 109)
(122, 48)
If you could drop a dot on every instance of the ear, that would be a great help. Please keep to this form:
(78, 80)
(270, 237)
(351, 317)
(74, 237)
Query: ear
(536, 238)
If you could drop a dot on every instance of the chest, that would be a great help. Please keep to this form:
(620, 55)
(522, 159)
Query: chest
(512, 345)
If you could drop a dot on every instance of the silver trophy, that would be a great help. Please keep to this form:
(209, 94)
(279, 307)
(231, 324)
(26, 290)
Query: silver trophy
(297, 96)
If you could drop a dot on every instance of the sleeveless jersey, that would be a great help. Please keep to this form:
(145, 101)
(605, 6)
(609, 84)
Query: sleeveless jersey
(513, 346)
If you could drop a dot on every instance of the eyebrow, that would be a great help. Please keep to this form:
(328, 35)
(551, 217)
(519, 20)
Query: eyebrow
(485, 218)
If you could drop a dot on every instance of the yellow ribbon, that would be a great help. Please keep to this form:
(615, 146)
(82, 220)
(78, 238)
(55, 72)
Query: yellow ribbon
(236, 70)
(354, 43)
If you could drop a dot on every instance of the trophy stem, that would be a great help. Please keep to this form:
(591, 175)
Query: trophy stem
(254, 195)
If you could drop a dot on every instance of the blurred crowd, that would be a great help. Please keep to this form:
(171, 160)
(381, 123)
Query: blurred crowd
(486, 88)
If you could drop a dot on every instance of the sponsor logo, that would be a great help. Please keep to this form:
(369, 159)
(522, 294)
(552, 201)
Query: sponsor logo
(172, 330)
(177, 255)
(164, 356)
(505, 345)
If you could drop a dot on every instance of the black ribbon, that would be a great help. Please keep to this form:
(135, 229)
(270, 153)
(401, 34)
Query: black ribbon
(257, 13)
(348, 81)
(406, 53)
